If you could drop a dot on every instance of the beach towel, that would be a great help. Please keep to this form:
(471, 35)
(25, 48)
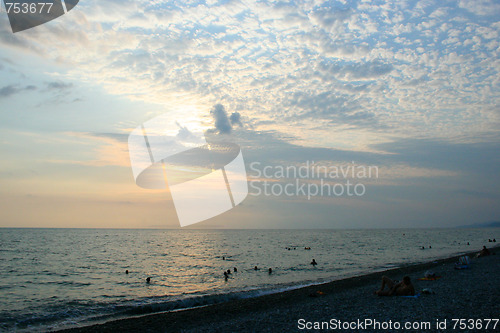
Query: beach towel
(414, 296)
(457, 266)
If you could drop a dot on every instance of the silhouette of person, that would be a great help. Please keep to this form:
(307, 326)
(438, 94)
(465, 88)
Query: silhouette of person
(484, 252)
(403, 288)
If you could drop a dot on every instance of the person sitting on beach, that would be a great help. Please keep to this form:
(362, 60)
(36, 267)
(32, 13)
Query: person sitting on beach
(484, 252)
(314, 263)
(403, 288)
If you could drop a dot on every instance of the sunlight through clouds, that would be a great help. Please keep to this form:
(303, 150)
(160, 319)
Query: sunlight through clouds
(412, 86)
(411, 68)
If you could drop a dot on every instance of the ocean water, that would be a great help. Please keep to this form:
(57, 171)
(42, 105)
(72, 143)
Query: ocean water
(58, 278)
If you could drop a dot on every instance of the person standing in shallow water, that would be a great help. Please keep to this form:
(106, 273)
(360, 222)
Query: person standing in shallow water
(313, 262)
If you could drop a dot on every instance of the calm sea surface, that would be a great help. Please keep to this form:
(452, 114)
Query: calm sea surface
(55, 278)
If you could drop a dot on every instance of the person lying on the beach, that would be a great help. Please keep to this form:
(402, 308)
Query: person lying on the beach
(403, 288)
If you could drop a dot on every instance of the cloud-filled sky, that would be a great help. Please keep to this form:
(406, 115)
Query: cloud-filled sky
(412, 87)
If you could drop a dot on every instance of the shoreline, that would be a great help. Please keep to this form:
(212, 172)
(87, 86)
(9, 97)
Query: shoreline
(286, 306)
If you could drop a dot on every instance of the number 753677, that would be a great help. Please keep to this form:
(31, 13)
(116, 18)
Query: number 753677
(28, 8)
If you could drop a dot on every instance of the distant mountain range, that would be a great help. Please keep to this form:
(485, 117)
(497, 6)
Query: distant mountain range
(494, 224)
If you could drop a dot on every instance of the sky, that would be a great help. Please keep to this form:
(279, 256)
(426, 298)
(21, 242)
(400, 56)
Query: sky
(411, 88)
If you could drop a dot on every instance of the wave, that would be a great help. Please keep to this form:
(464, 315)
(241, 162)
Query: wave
(81, 313)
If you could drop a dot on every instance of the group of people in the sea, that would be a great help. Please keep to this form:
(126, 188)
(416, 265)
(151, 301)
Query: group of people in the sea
(388, 288)
(295, 248)
(270, 270)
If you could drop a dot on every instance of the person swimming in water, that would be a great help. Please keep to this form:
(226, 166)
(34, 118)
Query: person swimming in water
(148, 280)
(313, 262)
(255, 268)
(270, 270)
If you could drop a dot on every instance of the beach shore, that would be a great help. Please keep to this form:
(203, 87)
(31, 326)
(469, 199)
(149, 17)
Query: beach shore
(472, 293)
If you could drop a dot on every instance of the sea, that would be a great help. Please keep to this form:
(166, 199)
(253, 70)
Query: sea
(52, 279)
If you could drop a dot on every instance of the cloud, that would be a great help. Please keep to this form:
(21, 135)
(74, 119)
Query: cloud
(11, 90)
(222, 124)
(8, 91)
(481, 7)
(424, 69)
(235, 119)
(58, 85)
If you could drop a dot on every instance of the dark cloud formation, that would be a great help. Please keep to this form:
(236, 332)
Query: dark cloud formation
(11, 90)
(8, 91)
(235, 119)
(222, 124)
(58, 85)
